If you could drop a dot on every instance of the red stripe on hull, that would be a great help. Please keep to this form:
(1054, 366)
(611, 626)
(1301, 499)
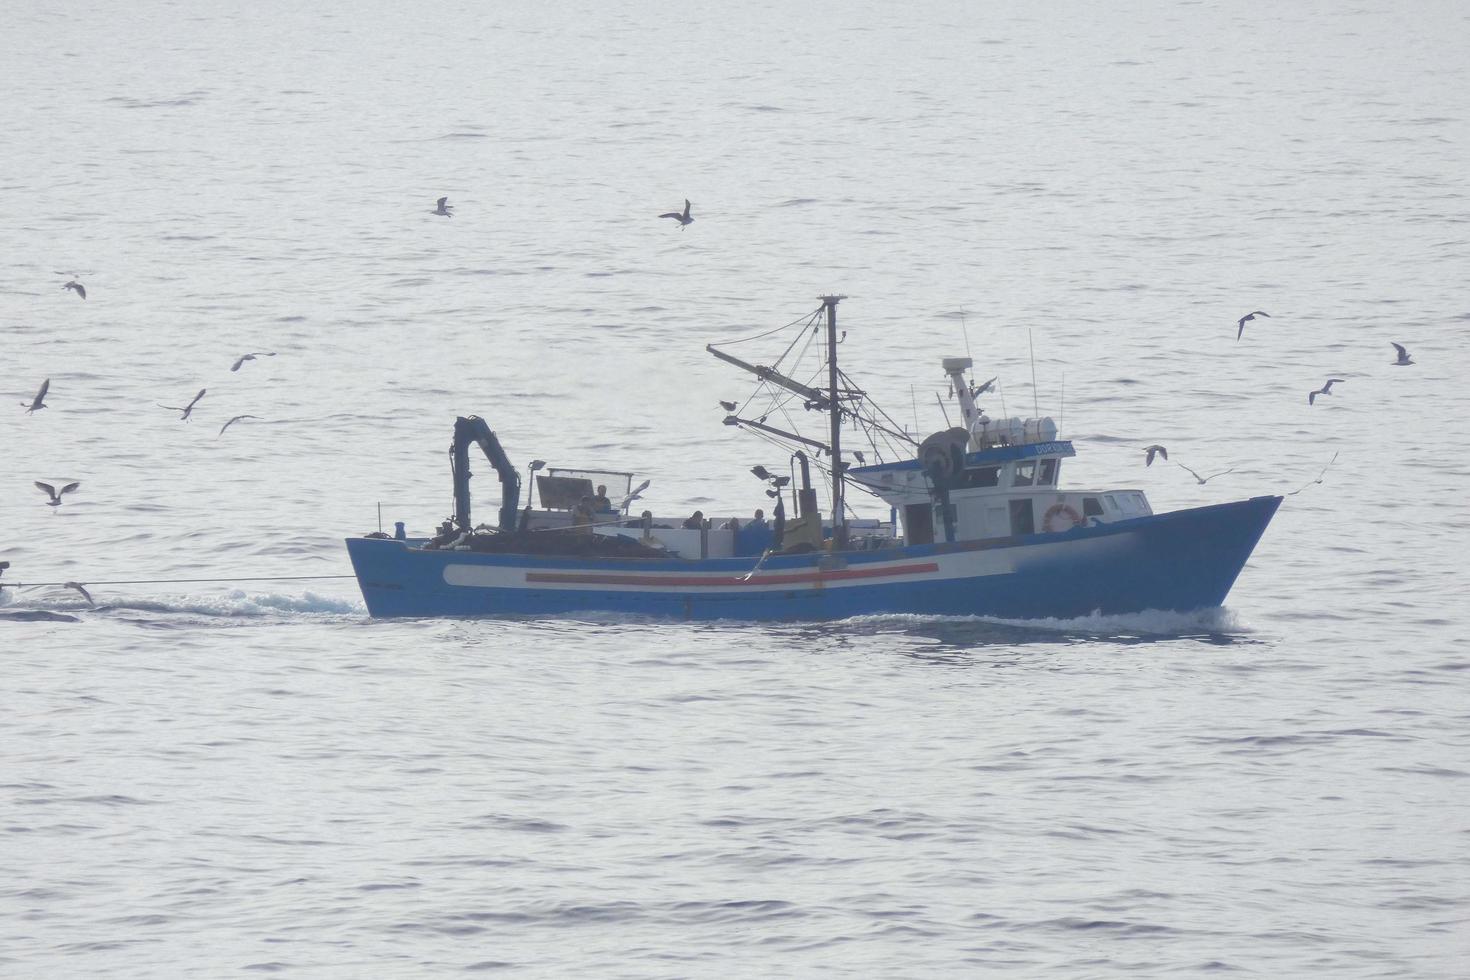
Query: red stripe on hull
(793, 578)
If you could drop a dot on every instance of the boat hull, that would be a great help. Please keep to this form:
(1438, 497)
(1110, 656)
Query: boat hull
(1183, 560)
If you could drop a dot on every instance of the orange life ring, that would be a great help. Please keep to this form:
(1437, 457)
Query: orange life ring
(1060, 510)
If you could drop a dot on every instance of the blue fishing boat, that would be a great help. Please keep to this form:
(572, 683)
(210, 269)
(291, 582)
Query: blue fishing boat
(978, 525)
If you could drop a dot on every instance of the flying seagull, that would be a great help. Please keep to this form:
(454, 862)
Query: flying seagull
(1304, 486)
(55, 494)
(80, 588)
(1202, 480)
(40, 400)
(1248, 317)
(75, 287)
(233, 421)
(444, 208)
(683, 219)
(987, 386)
(1404, 357)
(637, 492)
(1155, 450)
(1324, 390)
(250, 357)
(187, 408)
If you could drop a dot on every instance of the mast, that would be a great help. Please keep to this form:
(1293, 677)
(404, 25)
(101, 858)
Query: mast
(956, 367)
(839, 517)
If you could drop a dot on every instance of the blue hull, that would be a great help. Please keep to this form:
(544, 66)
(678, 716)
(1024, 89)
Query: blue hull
(1183, 560)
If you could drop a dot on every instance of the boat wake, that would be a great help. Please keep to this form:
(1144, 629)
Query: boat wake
(235, 604)
(1217, 624)
(1154, 622)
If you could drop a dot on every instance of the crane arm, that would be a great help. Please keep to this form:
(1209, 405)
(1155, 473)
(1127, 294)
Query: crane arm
(474, 430)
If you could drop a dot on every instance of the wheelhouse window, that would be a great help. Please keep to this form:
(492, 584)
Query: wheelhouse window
(1091, 507)
(984, 476)
(1046, 476)
(1025, 474)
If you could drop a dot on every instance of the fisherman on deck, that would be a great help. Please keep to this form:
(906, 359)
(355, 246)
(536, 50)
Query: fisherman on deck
(582, 516)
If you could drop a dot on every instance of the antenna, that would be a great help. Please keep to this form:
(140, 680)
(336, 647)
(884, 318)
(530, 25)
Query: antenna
(1062, 413)
(965, 329)
(1035, 405)
(947, 423)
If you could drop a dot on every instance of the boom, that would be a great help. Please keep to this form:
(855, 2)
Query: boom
(816, 398)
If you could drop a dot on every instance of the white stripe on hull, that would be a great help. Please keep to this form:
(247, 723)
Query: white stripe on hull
(926, 568)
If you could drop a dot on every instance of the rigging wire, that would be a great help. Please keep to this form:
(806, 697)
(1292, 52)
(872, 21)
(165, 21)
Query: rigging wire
(174, 581)
(851, 402)
(777, 390)
(875, 407)
(808, 317)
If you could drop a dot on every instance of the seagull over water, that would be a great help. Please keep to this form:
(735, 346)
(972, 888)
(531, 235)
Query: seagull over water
(56, 494)
(75, 287)
(1246, 319)
(80, 588)
(1324, 390)
(1304, 486)
(1404, 357)
(38, 402)
(250, 357)
(683, 219)
(1155, 450)
(1202, 480)
(233, 421)
(187, 408)
(444, 208)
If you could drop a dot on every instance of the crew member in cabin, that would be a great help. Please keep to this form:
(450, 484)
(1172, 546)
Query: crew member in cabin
(694, 521)
(759, 520)
(600, 503)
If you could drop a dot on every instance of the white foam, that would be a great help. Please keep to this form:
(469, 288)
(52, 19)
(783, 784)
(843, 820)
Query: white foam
(235, 603)
(1150, 621)
(1153, 622)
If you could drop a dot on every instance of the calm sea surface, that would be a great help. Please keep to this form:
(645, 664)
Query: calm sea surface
(233, 778)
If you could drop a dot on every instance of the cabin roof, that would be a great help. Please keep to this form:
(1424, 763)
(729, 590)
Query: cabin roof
(1000, 454)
